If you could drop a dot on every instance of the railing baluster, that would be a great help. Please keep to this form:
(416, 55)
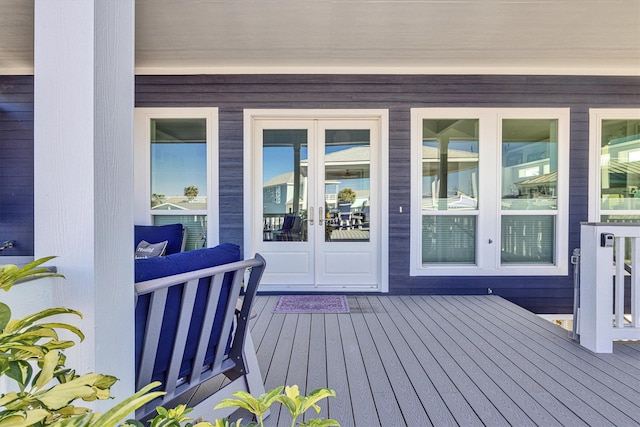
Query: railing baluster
(619, 283)
(635, 282)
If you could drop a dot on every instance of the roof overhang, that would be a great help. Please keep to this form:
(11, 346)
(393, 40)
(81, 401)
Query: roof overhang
(564, 37)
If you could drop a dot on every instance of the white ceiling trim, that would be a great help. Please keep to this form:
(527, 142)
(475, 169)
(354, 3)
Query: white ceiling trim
(550, 71)
(577, 71)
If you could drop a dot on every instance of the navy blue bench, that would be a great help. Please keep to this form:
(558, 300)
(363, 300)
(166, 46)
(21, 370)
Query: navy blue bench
(189, 327)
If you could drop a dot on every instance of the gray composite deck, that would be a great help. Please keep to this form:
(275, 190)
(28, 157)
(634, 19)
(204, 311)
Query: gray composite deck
(445, 360)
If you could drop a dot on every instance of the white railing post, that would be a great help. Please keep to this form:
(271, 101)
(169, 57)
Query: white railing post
(601, 319)
(596, 302)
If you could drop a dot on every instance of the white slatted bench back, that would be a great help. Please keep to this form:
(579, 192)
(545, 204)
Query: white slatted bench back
(222, 363)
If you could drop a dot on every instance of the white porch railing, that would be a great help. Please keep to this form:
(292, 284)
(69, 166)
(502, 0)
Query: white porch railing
(601, 316)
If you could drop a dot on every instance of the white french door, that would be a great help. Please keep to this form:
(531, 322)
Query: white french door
(316, 201)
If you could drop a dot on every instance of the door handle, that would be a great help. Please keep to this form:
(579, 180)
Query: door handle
(310, 216)
(321, 216)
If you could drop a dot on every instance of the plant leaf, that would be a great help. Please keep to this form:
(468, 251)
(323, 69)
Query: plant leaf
(130, 404)
(315, 396)
(21, 372)
(29, 320)
(49, 365)
(10, 274)
(61, 395)
(79, 421)
(319, 422)
(6, 399)
(5, 315)
(24, 418)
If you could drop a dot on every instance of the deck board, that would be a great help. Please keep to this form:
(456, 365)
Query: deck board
(317, 374)
(339, 409)
(624, 368)
(460, 409)
(446, 353)
(526, 375)
(357, 374)
(553, 355)
(412, 409)
(277, 371)
(386, 407)
(513, 383)
(445, 360)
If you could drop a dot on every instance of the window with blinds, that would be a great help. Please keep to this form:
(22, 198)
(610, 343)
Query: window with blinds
(491, 191)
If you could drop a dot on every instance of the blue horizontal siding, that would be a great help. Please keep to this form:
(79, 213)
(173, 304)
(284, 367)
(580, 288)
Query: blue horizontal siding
(232, 93)
(397, 93)
(16, 160)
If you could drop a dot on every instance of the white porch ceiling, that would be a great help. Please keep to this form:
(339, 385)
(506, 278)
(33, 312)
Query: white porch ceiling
(365, 36)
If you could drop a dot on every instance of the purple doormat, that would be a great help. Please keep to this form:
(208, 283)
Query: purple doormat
(312, 304)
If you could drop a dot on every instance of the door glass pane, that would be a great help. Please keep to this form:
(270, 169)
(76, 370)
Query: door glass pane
(347, 205)
(284, 184)
(528, 239)
(178, 164)
(529, 164)
(450, 164)
(449, 239)
(620, 165)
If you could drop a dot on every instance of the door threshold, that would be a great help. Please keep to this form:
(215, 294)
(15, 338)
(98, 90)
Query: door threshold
(321, 289)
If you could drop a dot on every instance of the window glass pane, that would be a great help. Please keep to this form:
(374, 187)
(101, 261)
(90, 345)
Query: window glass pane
(448, 239)
(178, 164)
(284, 184)
(449, 164)
(620, 165)
(196, 228)
(529, 164)
(528, 239)
(347, 159)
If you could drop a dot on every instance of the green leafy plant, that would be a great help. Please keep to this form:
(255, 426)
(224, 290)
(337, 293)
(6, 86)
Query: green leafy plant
(347, 195)
(31, 355)
(10, 274)
(291, 399)
(114, 415)
(298, 404)
(255, 405)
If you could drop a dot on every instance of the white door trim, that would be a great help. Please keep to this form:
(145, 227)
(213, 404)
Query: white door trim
(250, 115)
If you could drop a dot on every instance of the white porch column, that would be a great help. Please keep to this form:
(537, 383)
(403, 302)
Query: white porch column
(84, 97)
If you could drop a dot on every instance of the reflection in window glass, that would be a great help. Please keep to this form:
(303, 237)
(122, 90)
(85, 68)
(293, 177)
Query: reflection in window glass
(178, 164)
(347, 203)
(620, 165)
(196, 226)
(529, 164)
(449, 164)
(449, 239)
(284, 184)
(528, 239)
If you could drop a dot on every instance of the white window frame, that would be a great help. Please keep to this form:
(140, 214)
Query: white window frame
(143, 215)
(489, 209)
(596, 116)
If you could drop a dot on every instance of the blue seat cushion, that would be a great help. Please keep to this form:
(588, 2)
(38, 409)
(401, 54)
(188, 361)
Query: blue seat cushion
(153, 268)
(172, 233)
